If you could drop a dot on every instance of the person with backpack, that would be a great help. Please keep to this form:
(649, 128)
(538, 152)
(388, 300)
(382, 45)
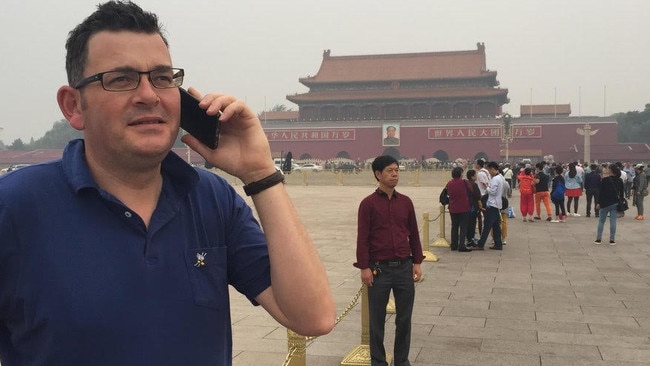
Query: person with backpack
(557, 195)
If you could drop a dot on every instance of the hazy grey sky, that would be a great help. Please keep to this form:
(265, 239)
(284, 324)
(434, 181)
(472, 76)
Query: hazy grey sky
(593, 54)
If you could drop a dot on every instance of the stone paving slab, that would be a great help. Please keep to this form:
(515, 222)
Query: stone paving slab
(550, 298)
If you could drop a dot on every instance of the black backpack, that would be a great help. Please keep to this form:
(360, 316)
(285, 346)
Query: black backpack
(504, 201)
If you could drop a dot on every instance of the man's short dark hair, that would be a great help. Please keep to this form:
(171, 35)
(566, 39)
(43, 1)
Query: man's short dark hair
(615, 169)
(382, 162)
(111, 16)
(480, 163)
(493, 165)
(457, 172)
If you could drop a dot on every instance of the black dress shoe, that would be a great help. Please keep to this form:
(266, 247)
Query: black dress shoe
(478, 248)
(494, 247)
(454, 248)
(464, 250)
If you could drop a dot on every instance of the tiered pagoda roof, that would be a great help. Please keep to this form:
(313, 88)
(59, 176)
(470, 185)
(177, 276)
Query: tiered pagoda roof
(426, 75)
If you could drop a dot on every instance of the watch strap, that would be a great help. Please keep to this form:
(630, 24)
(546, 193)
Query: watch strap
(265, 183)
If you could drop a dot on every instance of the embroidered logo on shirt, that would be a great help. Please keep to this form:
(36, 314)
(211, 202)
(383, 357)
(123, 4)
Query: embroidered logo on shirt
(200, 259)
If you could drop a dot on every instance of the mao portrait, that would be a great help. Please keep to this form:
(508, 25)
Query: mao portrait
(391, 135)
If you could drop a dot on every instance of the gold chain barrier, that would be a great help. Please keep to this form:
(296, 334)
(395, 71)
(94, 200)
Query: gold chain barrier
(441, 241)
(298, 343)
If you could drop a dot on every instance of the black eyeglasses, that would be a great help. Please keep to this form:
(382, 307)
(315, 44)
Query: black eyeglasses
(124, 80)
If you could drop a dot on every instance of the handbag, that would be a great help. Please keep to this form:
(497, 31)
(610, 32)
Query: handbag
(622, 205)
(444, 197)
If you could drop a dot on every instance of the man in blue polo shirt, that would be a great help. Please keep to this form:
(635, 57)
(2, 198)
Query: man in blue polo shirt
(120, 253)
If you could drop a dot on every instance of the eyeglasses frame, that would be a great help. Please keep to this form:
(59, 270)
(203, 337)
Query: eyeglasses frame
(100, 77)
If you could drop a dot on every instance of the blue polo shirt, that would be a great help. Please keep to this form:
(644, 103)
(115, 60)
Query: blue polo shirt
(84, 282)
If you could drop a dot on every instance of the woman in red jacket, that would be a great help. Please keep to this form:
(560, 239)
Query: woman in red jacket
(460, 199)
(527, 192)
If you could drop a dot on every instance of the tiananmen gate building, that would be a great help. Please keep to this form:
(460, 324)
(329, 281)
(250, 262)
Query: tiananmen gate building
(436, 104)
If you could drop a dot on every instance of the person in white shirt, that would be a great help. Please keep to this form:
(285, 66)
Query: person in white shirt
(482, 176)
(507, 174)
(492, 211)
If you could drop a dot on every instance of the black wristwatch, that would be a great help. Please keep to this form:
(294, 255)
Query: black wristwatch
(265, 183)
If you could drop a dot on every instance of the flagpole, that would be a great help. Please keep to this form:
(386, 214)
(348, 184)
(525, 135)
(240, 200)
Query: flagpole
(579, 101)
(605, 100)
(554, 102)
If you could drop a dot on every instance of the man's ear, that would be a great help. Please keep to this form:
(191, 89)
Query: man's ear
(69, 100)
(377, 175)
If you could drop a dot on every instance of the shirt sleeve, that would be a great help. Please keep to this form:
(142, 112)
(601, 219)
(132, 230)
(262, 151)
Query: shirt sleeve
(414, 237)
(363, 233)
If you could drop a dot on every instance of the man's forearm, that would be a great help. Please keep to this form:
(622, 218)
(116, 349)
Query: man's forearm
(299, 280)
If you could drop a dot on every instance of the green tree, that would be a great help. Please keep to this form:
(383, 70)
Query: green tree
(57, 137)
(280, 108)
(18, 144)
(634, 126)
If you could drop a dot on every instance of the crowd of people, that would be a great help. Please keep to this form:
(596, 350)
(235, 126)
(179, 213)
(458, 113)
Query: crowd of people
(478, 204)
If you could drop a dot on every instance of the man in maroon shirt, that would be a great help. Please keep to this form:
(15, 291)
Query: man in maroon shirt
(389, 255)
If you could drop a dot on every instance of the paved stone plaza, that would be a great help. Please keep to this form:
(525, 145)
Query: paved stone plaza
(550, 298)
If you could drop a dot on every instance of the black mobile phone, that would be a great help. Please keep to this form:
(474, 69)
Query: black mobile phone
(197, 123)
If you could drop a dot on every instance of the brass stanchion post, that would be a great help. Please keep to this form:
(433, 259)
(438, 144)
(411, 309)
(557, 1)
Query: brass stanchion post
(304, 179)
(428, 255)
(360, 355)
(390, 307)
(299, 342)
(441, 241)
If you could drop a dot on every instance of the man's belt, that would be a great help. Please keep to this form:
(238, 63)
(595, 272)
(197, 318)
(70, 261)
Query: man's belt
(394, 262)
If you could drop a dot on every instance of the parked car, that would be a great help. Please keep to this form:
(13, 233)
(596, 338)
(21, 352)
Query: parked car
(347, 168)
(16, 167)
(309, 167)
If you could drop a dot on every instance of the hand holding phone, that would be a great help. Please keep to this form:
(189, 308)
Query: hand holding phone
(197, 123)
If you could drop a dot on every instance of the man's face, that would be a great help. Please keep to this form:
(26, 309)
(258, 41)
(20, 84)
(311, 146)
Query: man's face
(128, 125)
(493, 171)
(389, 177)
(390, 132)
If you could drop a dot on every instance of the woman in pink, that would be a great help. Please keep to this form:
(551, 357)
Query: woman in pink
(527, 194)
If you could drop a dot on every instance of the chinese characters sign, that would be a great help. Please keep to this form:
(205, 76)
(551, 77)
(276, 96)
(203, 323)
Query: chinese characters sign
(477, 132)
(311, 135)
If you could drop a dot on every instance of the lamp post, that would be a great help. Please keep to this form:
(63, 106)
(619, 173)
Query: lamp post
(506, 133)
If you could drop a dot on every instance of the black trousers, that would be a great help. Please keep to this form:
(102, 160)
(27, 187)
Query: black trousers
(459, 224)
(592, 193)
(400, 281)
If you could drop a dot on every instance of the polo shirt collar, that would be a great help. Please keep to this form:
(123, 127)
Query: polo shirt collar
(78, 174)
(384, 194)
